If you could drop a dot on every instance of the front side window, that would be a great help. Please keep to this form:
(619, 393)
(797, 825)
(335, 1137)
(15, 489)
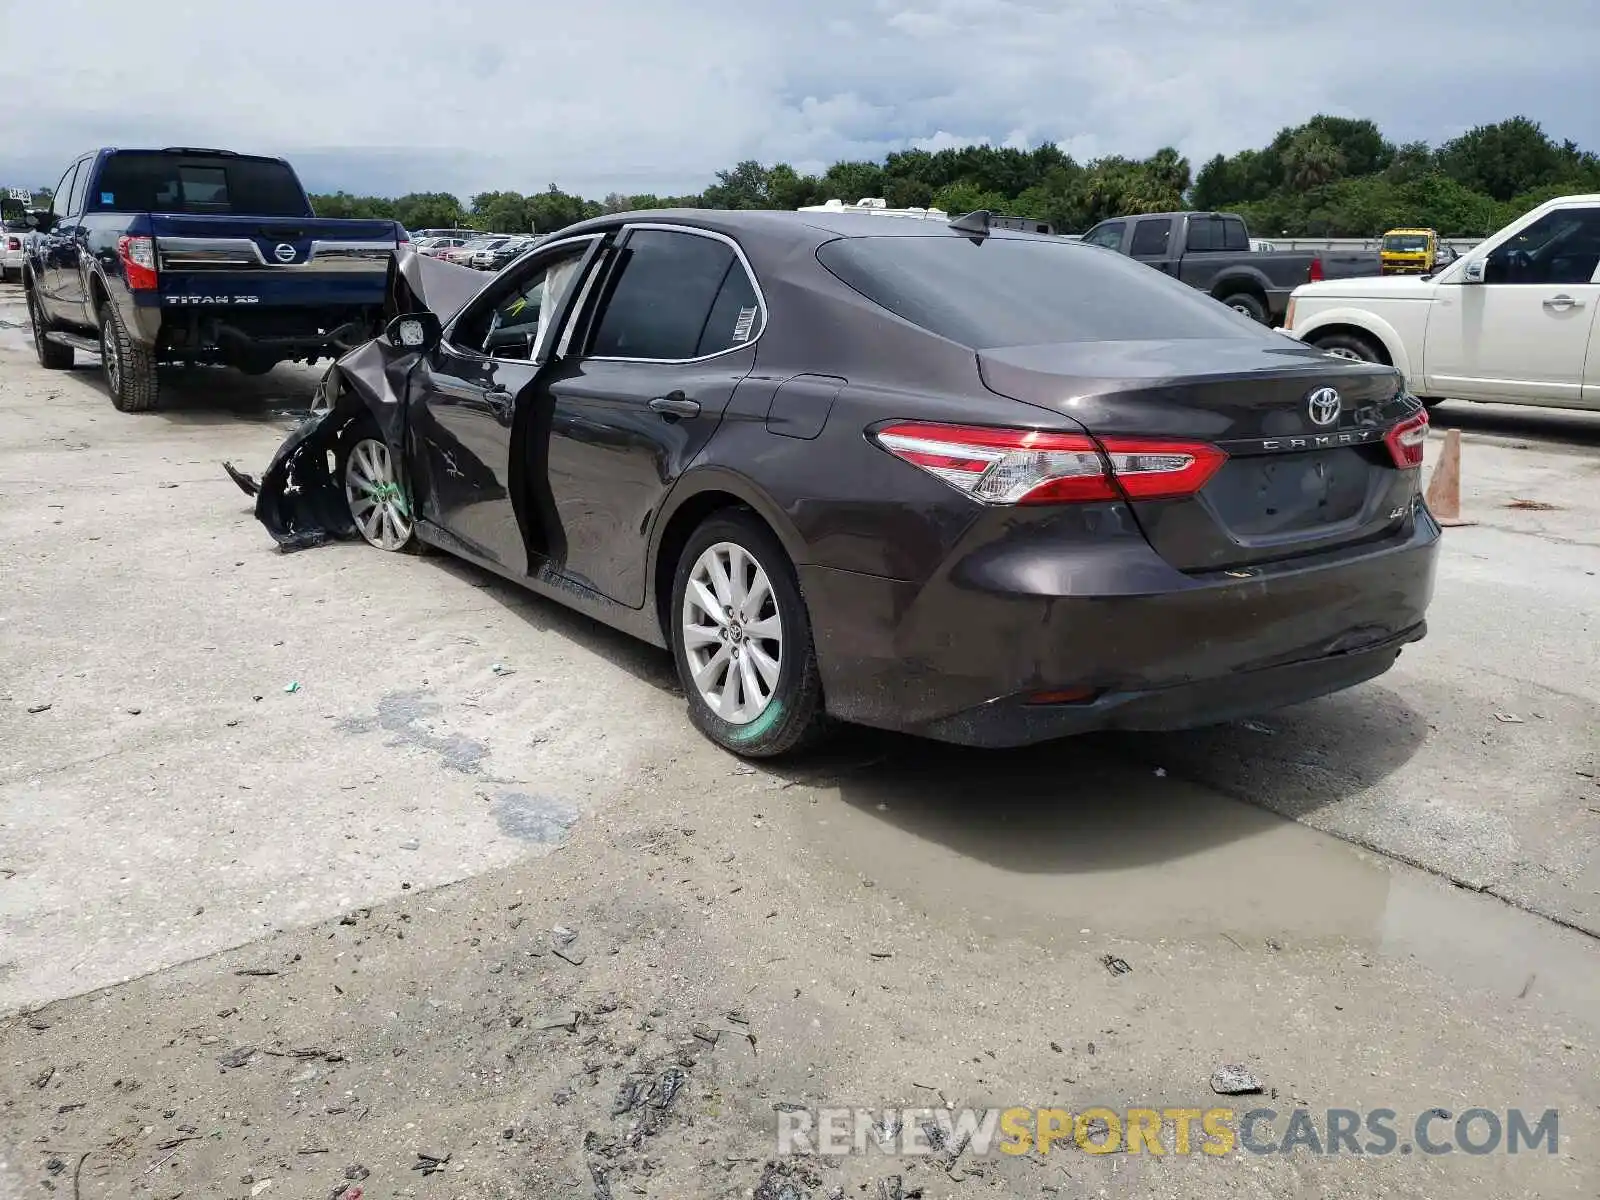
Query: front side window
(677, 296)
(1560, 247)
(63, 192)
(1108, 235)
(514, 323)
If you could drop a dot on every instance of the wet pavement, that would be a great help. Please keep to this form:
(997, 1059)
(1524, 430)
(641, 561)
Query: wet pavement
(1382, 899)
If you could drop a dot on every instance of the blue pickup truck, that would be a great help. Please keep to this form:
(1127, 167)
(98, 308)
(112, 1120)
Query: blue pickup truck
(184, 255)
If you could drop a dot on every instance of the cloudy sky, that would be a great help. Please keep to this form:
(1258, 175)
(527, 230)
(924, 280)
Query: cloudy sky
(389, 96)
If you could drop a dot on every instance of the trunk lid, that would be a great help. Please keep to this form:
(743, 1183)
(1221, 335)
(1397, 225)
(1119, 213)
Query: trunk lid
(1292, 485)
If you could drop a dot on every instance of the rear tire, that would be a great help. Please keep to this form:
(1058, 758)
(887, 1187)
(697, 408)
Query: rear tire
(1349, 345)
(130, 369)
(52, 357)
(774, 706)
(1250, 305)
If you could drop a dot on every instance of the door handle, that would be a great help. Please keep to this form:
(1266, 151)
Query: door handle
(675, 405)
(1562, 303)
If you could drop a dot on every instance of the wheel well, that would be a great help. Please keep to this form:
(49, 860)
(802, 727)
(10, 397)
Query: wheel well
(1360, 334)
(679, 529)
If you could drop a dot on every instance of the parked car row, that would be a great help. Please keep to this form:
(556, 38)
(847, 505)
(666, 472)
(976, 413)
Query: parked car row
(485, 251)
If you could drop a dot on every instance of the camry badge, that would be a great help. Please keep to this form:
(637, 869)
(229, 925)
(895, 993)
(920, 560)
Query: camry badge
(1324, 406)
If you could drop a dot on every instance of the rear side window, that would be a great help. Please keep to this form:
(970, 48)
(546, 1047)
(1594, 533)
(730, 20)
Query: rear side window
(1151, 237)
(679, 296)
(1234, 235)
(187, 183)
(1015, 292)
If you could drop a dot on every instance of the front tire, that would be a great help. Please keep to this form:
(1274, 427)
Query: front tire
(130, 369)
(742, 639)
(52, 357)
(374, 489)
(1349, 345)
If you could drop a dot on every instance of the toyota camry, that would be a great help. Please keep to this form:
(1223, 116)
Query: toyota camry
(984, 486)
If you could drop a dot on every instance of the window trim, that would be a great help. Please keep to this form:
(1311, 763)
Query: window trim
(60, 196)
(738, 253)
(448, 337)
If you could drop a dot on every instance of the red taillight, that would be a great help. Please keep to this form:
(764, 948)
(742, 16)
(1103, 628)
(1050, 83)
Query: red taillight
(138, 255)
(1406, 440)
(13, 243)
(1315, 275)
(1028, 466)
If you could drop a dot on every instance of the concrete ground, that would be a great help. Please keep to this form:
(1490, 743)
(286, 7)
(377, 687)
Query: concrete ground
(284, 838)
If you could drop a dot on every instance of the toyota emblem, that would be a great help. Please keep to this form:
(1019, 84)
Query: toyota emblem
(284, 253)
(1323, 406)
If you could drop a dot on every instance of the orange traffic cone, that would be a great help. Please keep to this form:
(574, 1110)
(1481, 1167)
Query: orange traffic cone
(1444, 487)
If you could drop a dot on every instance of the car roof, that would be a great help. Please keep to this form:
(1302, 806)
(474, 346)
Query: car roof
(781, 225)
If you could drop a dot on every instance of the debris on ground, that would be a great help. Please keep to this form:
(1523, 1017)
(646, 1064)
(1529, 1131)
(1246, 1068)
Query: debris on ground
(292, 686)
(1506, 718)
(38, 708)
(430, 1164)
(237, 1058)
(1233, 1079)
(786, 1179)
(1117, 966)
(1533, 505)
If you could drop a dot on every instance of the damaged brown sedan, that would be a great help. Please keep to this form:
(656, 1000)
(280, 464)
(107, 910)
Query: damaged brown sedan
(979, 485)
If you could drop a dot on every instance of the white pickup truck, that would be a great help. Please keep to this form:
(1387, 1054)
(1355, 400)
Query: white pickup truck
(1512, 321)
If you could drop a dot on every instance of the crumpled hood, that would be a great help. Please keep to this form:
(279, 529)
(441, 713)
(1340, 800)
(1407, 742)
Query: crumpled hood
(299, 498)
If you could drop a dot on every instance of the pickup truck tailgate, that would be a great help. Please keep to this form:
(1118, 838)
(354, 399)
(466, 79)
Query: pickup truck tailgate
(271, 261)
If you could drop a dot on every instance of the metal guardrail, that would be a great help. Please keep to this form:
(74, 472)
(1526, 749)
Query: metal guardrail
(1459, 245)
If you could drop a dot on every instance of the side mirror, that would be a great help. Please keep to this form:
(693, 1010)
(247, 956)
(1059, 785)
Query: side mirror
(1474, 271)
(414, 331)
(40, 219)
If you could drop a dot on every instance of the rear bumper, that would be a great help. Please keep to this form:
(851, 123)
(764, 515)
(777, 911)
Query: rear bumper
(957, 658)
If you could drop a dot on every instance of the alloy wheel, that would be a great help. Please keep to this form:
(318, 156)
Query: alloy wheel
(377, 502)
(1344, 352)
(732, 633)
(110, 358)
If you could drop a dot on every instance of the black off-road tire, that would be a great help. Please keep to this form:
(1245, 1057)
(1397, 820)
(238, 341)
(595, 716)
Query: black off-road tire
(52, 357)
(794, 717)
(129, 368)
(1250, 305)
(1350, 344)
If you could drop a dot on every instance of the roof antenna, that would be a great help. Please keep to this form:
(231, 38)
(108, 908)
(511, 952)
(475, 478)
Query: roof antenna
(975, 223)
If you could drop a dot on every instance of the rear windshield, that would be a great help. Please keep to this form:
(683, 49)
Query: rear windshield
(1015, 292)
(197, 183)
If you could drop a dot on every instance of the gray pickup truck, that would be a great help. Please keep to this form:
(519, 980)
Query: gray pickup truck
(1211, 251)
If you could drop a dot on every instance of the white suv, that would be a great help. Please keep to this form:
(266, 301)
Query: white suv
(1512, 321)
(11, 235)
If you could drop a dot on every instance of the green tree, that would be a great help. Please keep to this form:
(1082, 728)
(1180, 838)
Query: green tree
(961, 198)
(1310, 161)
(501, 212)
(429, 210)
(553, 209)
(745, 186)
(1503, 160)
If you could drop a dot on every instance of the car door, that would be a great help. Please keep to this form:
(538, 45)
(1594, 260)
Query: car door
(48, 268)
(1523, 333)
(672, 334)
(72, 293)
(1152, 243)
(466, 399)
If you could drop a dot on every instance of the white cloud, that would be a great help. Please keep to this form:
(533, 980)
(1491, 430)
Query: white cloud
(656, 95)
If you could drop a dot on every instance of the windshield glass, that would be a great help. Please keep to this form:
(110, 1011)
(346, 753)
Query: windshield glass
(1023, 292)
(1409, 243)
(158, 181)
